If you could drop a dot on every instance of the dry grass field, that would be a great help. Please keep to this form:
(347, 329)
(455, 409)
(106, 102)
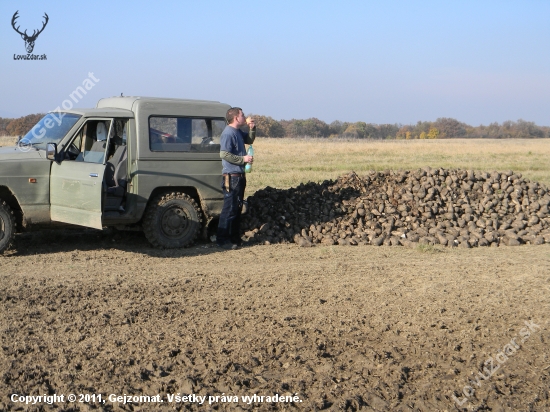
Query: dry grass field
(7, 140)
(285, 163)
(336, 328)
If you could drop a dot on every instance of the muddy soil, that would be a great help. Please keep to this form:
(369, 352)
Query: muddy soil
(328, 327)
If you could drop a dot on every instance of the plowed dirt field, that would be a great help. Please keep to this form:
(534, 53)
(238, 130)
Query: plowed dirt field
(328, 327)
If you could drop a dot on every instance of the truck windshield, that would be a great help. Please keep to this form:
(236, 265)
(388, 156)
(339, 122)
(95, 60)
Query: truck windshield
(50, 129)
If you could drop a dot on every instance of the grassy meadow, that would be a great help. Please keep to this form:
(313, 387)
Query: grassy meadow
(7, 140)
(284, 163)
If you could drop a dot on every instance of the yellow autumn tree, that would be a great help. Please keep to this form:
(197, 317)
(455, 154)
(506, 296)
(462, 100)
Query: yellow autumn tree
(433, 133)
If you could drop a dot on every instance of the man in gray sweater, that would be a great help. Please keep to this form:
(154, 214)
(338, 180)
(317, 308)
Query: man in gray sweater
(234, 158)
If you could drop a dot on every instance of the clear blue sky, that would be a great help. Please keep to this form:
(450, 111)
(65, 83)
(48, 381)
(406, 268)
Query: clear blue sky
(373, 61)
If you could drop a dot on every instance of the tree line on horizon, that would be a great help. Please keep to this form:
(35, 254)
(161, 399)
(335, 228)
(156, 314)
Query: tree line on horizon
(19, 126)
(442, 128)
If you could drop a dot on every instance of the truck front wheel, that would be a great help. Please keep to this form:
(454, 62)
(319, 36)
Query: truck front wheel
(172, 220)
(7, 226)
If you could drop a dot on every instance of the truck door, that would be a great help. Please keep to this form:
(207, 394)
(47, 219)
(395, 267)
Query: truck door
(76, 183)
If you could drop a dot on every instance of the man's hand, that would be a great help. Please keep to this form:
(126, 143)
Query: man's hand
(250, 122)
(248, 159)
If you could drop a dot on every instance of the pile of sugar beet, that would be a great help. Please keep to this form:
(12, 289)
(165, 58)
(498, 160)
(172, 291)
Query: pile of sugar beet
(462, 208)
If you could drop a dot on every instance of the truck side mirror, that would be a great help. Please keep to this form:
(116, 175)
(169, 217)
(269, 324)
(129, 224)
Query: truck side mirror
(51, 151)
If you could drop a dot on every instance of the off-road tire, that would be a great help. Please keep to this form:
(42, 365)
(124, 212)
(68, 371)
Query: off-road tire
(172, 220)
(7, 226)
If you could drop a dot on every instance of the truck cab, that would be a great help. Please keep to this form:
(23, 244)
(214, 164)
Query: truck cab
(137, 163)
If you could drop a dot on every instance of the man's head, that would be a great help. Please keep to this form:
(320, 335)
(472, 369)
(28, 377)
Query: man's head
(235, 117)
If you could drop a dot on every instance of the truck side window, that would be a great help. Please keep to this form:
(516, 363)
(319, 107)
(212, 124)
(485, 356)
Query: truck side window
(185, 134)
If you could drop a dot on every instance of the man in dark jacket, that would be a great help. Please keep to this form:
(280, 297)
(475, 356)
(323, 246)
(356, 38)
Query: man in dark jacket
(234, 158)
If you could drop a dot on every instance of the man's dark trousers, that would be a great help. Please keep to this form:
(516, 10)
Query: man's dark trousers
(229, 227)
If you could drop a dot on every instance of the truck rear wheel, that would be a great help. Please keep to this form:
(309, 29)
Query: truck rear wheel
(7, 226)
(172, 220)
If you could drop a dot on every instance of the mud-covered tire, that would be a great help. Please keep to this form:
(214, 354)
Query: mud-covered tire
(7, 226)
(172, 220)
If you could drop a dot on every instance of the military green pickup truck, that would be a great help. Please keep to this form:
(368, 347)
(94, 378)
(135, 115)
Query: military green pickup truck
(136, 163)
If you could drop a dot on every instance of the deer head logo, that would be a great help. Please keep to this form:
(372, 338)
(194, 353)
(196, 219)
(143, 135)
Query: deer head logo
(29, 40)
